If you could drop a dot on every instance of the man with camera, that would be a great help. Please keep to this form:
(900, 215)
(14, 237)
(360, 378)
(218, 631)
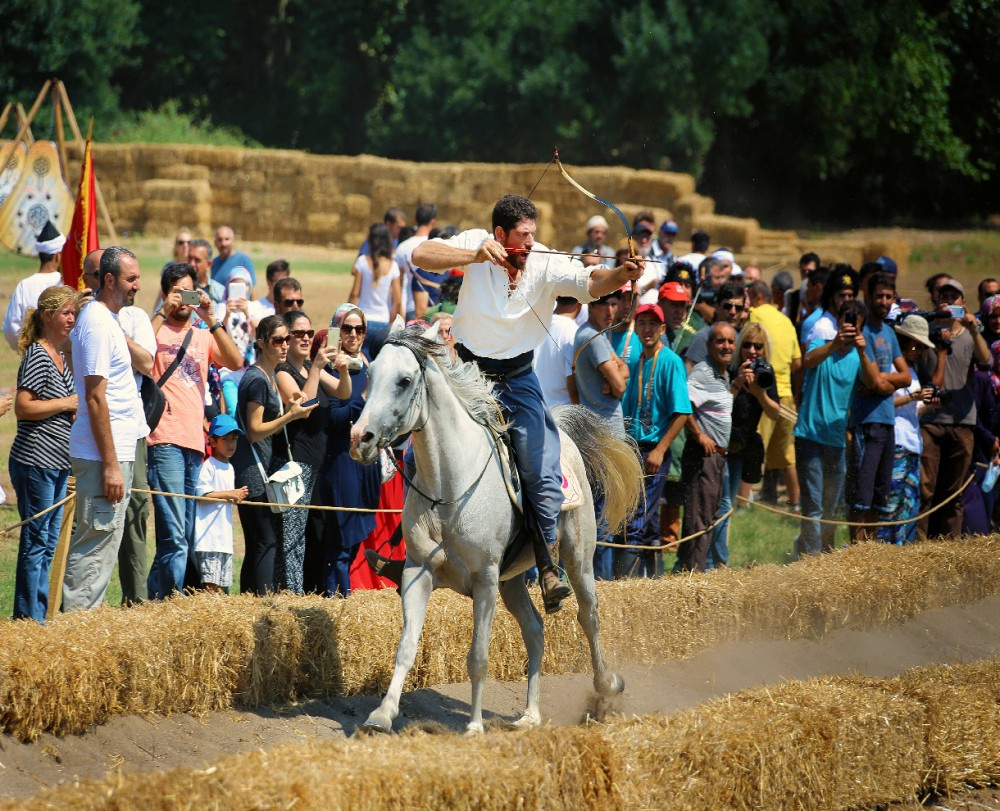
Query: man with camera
(947, 430)
(177, 444)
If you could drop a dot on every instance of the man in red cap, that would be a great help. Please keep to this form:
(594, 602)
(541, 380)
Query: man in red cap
(674, 302)
(655, 406)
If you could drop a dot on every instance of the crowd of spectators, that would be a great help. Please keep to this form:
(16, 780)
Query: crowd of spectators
(853, 399)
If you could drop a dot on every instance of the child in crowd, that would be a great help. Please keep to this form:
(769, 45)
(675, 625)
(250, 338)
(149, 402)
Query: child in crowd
(213, 545)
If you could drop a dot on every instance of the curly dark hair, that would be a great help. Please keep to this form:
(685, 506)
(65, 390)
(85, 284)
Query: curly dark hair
(511, 209)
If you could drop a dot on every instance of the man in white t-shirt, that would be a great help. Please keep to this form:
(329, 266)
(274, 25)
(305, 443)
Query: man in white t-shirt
(102, 440)
(554, 359)
(503, 313)
(25, 296)
(416, 299)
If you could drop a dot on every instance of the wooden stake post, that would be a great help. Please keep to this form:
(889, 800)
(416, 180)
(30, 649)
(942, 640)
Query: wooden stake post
(57, 569)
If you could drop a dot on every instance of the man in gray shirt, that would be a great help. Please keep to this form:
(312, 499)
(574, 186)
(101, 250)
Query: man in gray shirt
(947, 432)
(704, 456)
(600, 374)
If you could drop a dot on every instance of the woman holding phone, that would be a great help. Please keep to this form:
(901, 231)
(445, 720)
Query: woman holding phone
(344, 482)
(377, 290)
(307, 377)
(263, 418)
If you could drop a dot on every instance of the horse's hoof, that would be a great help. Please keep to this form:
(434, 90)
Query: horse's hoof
(377, 724)
(613, 686)
(527, 721)
(474, 728)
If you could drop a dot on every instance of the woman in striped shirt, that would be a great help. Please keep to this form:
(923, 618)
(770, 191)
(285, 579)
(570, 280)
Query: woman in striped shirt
(45, 406)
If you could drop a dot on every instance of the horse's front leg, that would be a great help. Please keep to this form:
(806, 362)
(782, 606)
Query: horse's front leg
(515, 597)
(484, 603)
(418, 582)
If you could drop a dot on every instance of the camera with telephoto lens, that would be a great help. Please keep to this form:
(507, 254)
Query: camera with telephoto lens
(763, 372)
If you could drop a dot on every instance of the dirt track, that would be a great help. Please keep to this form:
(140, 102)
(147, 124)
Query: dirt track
(957, 634)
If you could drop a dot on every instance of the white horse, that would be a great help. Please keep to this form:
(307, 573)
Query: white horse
(458, 517)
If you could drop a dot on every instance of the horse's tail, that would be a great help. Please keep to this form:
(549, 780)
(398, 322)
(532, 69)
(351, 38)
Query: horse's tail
(612, 463)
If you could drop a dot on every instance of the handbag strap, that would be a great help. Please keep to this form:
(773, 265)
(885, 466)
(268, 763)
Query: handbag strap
(253, 445)
(177, 359)
(281, 412)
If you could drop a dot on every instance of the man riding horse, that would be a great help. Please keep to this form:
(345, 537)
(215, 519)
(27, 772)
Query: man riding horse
(504, 312)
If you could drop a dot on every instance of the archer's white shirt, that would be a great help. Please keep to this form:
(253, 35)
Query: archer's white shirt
(493, 321)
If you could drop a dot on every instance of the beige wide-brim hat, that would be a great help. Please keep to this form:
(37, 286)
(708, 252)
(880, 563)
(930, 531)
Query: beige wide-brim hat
(915, 327)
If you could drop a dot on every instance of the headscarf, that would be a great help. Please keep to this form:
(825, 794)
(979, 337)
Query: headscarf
(344, 310)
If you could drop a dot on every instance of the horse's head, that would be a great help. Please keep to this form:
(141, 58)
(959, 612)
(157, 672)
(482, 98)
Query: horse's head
(397, 399)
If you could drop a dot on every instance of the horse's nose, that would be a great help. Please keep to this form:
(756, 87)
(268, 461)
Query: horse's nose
(367, 436)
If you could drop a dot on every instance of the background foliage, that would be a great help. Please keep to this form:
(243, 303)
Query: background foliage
(837, 110)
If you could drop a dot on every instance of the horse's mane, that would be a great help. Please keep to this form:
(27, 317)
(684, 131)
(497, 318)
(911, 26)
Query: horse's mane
(468, 384)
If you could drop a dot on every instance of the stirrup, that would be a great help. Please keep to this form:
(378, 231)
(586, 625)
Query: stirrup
(385, 567)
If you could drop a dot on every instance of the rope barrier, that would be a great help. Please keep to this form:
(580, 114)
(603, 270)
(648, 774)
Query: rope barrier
(669, 547)
(36, 516)
(843, 523)
(322, 507)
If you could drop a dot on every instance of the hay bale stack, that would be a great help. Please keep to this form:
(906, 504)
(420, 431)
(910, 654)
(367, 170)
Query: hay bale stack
(545, 769)
(205, 652)
(815, 744)
(896, 249)
(169, 203)
(733, 232)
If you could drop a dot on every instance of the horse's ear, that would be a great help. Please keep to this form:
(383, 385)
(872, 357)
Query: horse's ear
(398, 325)
(431, 333)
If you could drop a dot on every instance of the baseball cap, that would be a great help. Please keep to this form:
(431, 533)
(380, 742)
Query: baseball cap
(955, 284)
(669, 227)
(642, 227)
(674, 291)
(597, 221)
(223, 425)
(889, 266)
(650, 308)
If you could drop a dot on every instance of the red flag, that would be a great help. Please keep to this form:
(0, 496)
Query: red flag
(82, 236)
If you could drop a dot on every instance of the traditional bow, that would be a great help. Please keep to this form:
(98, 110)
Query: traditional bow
(631, 246)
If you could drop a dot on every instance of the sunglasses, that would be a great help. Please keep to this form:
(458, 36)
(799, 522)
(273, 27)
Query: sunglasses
(360, 330)
(293, 302)
(758, 347)
(728, 305)
(280, 340)
(303, 333)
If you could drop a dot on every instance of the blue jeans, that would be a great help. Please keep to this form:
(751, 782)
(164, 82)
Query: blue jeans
(535, 438)
(644, 528)
(718, 552)
(821, 470)
(36, 489)
(603, 555)
(172, 469)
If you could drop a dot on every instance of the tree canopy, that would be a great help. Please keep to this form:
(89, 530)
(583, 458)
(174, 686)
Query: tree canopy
(836, 109)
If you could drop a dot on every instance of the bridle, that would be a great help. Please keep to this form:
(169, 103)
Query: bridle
(494, 451)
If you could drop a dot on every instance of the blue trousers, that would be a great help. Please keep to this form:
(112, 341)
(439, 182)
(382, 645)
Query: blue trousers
(732, 475)
(535, 439)
(644, 528)
(172, 469)
(821, 470)
(36, 489)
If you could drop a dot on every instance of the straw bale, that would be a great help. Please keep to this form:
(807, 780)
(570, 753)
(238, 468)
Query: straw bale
(693, 206)
(162, 216)
(962, 726)
(184, 171)
(358, 207)
(736, 233)
(178, 192)
(657, 188)
(897, 249)
(819, 743)
(543, 769)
